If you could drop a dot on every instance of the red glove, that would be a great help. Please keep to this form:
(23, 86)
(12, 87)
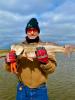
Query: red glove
(10, 57)
(41, 55)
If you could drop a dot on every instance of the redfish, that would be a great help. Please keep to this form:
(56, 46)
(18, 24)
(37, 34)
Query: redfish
(29, 49)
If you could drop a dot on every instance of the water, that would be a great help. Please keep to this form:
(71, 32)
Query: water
(61, 84)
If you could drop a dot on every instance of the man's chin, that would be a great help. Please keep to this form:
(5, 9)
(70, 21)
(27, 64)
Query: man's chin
(33, 37)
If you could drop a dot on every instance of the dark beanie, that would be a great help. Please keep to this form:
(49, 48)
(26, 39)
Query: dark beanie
(32, 24)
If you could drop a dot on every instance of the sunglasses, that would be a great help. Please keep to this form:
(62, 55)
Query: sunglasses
(32, 29)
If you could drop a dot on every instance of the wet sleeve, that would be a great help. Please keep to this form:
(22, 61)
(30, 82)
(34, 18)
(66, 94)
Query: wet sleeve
(50, 66)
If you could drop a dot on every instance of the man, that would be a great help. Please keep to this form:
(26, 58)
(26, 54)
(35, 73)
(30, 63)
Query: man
(32, 73)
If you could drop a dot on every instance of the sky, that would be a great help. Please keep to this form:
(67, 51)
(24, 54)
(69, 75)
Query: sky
(56, 19)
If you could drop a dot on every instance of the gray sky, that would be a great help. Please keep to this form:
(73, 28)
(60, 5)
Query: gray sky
(56, 20)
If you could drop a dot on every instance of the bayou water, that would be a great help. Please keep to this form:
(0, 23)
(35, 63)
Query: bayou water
(61, 84)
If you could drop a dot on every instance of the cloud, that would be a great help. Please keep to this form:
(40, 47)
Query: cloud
(56, 19)
(61, 18)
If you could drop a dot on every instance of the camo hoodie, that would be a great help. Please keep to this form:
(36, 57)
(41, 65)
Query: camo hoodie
(33, 73)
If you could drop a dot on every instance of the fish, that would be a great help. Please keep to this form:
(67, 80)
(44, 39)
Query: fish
(29, 49)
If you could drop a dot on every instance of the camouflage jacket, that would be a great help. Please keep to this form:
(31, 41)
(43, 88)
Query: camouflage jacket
(33, 73)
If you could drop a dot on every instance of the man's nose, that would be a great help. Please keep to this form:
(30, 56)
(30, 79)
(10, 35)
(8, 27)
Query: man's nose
(32, 32)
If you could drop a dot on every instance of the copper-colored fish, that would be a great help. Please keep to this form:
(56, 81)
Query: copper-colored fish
(29, 49)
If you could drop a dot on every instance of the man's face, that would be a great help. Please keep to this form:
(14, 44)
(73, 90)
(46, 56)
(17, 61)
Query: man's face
(32, 33)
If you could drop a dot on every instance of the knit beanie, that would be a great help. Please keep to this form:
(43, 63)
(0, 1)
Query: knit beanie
(32, 24)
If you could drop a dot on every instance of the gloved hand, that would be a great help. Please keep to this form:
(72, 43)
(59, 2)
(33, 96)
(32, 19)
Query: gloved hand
(41, 55)
(10, 57)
